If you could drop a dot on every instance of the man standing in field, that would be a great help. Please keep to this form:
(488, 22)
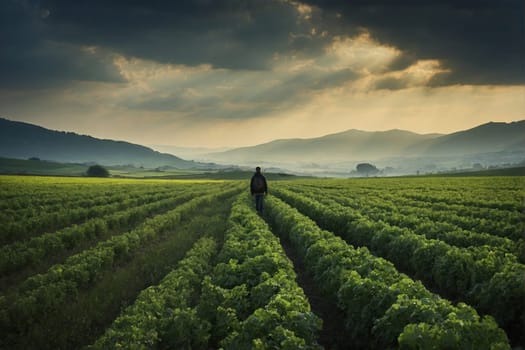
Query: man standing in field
(258, 188)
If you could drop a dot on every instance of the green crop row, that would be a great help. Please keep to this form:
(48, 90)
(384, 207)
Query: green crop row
(383, 308)
(50, 221)
(19, 255)
(42, 293)
(497, 193)
(492, 200)
(19, 193)
(21, 196)
(249, 300)
(490, 197)
(462, 214)
(484, 223)
(489, 280)
(421, 222)
(252, 300)
(164, 314)
(445, 227)
(84, 200)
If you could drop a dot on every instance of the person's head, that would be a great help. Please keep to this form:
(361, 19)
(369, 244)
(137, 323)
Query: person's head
(258, 169)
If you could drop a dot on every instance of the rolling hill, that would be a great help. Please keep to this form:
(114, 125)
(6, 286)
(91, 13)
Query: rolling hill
(485, 138)
(333, 147)
(22, 140)
(358, 145)
(490, 144)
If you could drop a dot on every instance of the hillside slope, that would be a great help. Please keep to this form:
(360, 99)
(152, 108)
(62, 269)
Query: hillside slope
(485, 138)
(23, 140)
(355, 145)
(351, 144)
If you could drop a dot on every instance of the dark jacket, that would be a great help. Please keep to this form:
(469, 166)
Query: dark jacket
(252, 187)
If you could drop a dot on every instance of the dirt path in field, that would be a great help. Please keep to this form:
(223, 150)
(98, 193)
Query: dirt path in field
(333, 335)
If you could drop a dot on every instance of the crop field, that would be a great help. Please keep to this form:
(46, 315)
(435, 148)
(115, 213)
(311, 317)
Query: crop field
(379, 263)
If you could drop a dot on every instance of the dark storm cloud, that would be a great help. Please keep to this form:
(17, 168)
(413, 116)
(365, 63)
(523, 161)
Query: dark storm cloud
(234, 95)
(480, 41)
(51, 64)
(226, 34)
(30, 59)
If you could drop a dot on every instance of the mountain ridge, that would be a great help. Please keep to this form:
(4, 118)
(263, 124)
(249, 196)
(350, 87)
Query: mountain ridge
(354, 144)
(368, 143)
(493, 141)
(488, 137)
(24, 140)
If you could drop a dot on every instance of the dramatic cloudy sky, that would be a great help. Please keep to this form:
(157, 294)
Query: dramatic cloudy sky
(215, 73)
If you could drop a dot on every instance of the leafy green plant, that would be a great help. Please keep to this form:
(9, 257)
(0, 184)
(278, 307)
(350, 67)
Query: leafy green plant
(251, 298)
(379, 302)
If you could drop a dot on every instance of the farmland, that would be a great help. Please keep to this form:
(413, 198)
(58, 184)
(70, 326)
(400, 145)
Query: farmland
(411, 263)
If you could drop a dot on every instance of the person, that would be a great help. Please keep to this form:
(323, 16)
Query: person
(258, 188)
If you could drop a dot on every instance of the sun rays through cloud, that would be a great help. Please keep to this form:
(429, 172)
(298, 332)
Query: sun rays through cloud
(218, 73)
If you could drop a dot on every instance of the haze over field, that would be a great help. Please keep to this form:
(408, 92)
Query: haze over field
(397, 152)
(227, 74)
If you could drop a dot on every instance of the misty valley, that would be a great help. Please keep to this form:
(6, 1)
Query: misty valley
(395, 152)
